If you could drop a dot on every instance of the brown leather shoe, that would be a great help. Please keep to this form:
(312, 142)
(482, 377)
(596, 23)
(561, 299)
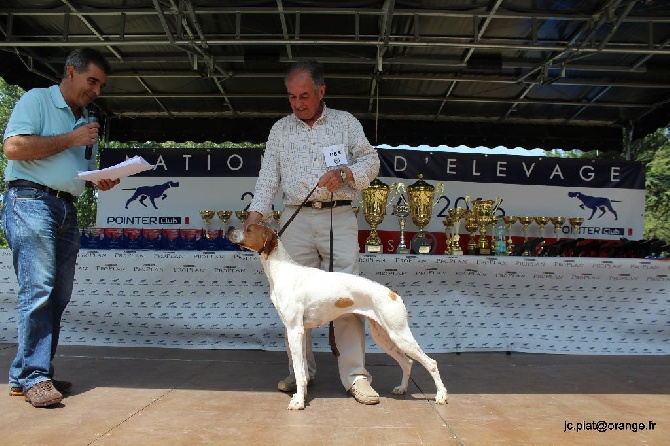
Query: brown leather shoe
(43, 394)
(62, 386)
(363, 392)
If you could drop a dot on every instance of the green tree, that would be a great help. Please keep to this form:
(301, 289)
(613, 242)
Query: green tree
(9, 94)
(654, 152)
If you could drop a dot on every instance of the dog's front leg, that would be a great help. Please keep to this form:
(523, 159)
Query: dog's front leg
(296, 345)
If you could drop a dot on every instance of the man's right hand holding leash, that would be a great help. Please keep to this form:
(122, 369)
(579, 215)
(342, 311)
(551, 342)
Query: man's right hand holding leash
(254, 218)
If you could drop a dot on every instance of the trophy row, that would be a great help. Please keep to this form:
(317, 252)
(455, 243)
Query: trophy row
(503, 243)
(225, 216)
(415, 201)
(418, 200)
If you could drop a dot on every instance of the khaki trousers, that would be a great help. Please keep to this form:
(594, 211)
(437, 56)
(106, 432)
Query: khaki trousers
(307, 240)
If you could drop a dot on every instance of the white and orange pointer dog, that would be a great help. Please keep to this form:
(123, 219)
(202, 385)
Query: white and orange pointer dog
(308, 297)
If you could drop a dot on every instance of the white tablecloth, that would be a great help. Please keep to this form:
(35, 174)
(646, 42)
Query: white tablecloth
(195, 299)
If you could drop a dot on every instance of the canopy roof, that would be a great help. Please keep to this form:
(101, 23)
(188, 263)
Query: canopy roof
(570, 74)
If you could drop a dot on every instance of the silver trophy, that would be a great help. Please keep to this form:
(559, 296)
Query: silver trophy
(401, 210)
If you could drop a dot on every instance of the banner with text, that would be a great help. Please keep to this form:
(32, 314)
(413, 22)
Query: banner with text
(609, 195)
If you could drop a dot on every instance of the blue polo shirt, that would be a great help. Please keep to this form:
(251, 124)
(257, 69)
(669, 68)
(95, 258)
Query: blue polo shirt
(43, 112)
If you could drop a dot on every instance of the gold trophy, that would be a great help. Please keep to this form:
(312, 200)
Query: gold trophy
(224, 216)
(541, 222)
(484, 246)
(242, 215)
(421, 205)
(558, 223)
(276, 215)
(448, 223)
(456, 214)
(576, 223)
(471, 225)
(401, 210)
(207, 215)
(355, 208)
(509, 221)
(483, 211)
(374, 209)
(525, 221)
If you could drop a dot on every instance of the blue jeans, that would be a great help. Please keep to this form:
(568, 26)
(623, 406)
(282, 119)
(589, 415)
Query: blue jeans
(42, 232)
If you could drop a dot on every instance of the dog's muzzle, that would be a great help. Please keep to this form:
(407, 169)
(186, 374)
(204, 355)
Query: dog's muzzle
(234, 235)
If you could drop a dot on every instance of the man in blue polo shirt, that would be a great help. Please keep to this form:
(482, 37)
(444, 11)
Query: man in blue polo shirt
(48, 139)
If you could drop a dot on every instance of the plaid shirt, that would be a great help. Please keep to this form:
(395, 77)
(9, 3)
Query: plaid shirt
(294, 160)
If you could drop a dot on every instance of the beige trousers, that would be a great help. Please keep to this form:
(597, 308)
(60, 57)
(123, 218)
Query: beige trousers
(307, 240)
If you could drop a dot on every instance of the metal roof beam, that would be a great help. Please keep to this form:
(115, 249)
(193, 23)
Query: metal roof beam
(415, 98)
(418, 76)
(94, 30)
(282, 18)
(502, 13)
(500, 44)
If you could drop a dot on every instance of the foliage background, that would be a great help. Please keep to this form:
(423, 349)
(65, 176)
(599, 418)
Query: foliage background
(653, 151)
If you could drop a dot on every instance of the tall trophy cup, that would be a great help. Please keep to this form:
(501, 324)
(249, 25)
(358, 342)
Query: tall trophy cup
(401, 210)
(456, 214)
(484, 210)
(484, 220)
(207, 215)
(374, 209)
(471, 225)
(421, 205)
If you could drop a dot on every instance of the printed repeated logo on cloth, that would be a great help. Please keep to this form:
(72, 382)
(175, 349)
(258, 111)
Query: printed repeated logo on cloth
(203, 299)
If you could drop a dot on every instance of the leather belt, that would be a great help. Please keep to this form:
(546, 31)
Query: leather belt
(327, 204)
(65, 196)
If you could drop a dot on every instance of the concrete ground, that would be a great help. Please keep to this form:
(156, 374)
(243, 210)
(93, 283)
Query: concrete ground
(151, 396)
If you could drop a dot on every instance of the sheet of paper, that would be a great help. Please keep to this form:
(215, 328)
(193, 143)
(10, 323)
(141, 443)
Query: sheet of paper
(126, 168)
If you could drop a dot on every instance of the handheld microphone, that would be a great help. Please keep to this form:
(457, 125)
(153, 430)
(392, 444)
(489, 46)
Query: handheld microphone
(92, 117)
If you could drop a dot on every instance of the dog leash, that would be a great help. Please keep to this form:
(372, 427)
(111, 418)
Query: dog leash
(331, 328)
(304, 202)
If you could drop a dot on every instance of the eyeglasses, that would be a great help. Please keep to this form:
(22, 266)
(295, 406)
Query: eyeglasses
(89, 152)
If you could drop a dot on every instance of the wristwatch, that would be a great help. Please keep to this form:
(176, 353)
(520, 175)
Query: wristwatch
(343, 174)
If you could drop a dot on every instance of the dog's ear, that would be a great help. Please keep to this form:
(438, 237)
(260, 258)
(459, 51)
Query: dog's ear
(271, 242)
